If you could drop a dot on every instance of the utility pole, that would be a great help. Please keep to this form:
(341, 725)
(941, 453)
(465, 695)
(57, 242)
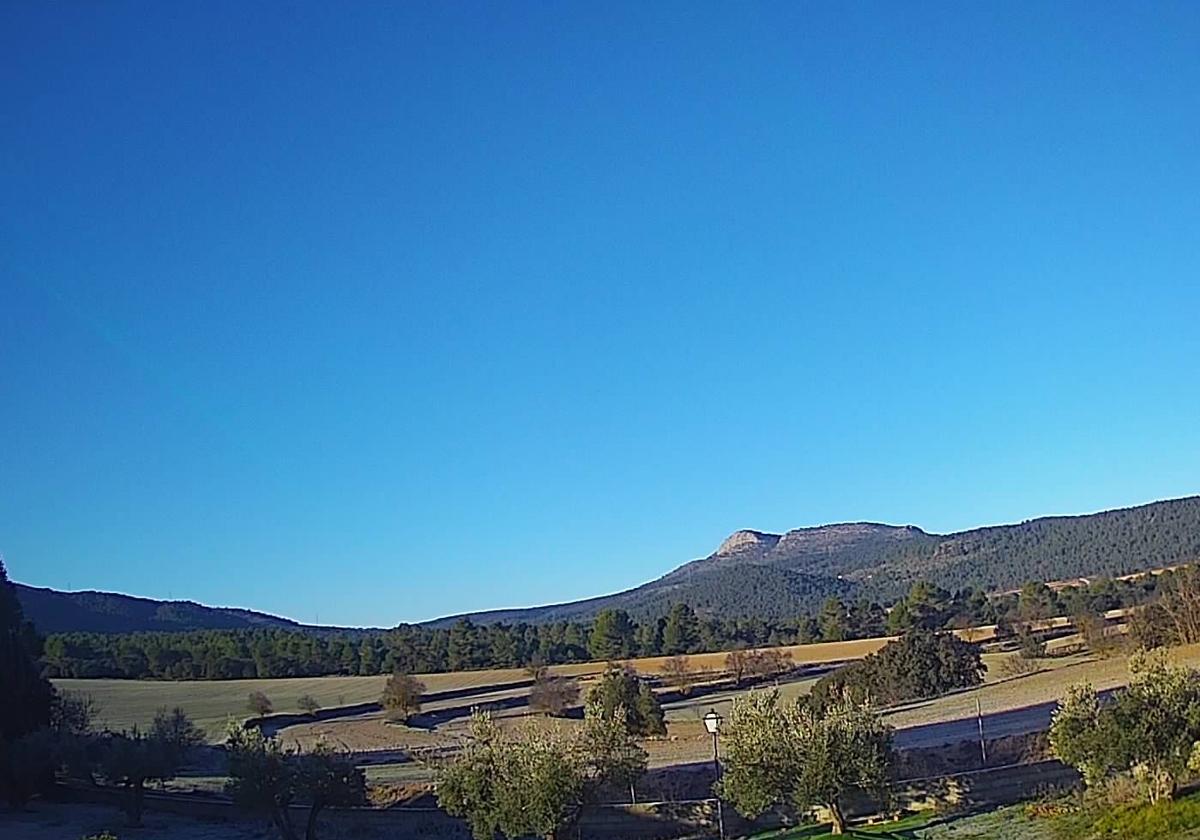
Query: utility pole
(979, 719)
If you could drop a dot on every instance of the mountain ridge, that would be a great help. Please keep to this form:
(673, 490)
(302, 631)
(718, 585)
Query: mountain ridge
(759, 573)
(880, 561)
(93, 611)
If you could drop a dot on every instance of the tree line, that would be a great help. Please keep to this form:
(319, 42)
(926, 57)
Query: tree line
(612, 635)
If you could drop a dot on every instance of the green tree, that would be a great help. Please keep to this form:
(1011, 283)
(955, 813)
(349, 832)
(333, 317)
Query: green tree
(800, 757)
(25, 697)
(132, 759)
(808, 630)
(264, 778)
(918, 665)
(176, 733)
(613, 635)
(368, 658)
(832, 620)
(648, 713)
(261, 777)
(681, 633)
(462, 645)
(516, 787)
(927, 606)
(1151, 729)
(536, 782)
(27, 702)
(649, 638)
(1037, 601)
(325, 779)
(619, 692)
(611, 754)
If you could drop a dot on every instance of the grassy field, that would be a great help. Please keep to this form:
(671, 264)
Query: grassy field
(212, 703)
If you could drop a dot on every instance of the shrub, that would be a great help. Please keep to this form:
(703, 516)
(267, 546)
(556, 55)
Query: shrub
(308, 704)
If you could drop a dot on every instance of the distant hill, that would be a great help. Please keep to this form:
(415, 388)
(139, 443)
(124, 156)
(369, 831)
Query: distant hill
(779, 575)
(52, 611)
(753, 573)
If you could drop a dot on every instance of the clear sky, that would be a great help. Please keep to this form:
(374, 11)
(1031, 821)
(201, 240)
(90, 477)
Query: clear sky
(375, 312)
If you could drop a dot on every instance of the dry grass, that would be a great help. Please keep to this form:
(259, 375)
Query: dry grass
(212, 703)
(1046, 685)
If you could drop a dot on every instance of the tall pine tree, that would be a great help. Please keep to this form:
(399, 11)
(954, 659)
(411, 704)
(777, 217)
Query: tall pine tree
(681, 634)
(25, 695)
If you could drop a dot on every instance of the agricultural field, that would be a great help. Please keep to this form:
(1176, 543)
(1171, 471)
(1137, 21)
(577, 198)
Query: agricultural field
(212, 703)
(1010, 703)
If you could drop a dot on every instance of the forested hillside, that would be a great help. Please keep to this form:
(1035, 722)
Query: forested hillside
(107, 612)
(765, 576)
(778, 575)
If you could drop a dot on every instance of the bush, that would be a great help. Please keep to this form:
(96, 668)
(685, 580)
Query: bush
(308, 704)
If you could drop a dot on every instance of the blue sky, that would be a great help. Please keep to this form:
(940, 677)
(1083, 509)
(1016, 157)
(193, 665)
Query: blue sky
(376, 312)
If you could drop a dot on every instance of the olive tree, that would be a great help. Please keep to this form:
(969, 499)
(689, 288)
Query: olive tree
(1150, 730)
(536, 781)
(267, 779)
(799, 757)
(132, 760)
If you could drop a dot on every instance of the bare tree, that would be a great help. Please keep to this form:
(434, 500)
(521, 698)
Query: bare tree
(1180, 604)
(735, 663)
(402, 697)
(677, 672)
(259, 703)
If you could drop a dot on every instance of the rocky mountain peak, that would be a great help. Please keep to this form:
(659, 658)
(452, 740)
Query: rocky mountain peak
(740, 541)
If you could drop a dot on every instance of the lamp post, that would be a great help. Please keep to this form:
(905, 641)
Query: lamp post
(712, 722)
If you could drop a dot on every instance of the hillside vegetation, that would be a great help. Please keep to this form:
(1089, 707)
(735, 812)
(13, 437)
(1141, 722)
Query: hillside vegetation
(779, 575)
(759, 575)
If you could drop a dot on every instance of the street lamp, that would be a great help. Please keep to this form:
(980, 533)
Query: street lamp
(712, 722)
